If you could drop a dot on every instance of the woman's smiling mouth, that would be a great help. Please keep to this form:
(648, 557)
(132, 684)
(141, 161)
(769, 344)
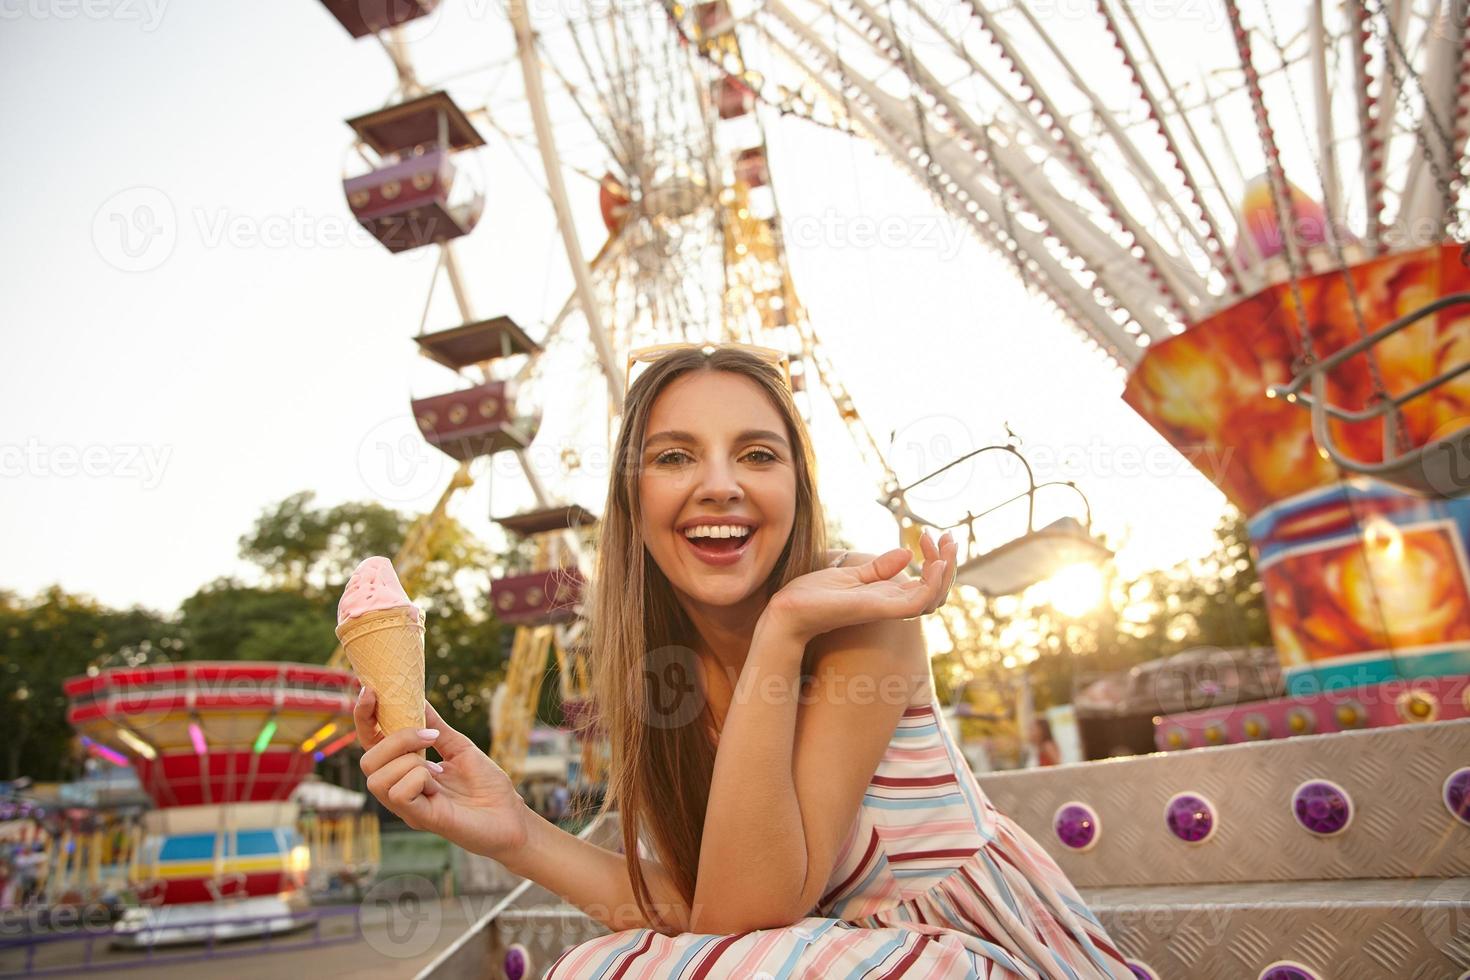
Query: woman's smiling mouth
(723, 548)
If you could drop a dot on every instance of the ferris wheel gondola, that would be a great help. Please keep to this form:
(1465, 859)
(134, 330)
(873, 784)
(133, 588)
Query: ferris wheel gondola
(364, 17)
(414, 192)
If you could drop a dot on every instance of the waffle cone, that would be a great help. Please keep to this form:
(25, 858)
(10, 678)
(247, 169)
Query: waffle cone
(386, 648)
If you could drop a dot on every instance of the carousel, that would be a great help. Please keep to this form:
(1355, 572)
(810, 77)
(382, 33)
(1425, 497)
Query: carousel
(219, 748)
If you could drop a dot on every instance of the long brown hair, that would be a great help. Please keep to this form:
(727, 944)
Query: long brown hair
(639, 638)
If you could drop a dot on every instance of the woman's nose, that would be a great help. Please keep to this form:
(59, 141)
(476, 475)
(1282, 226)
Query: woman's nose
(717, 482)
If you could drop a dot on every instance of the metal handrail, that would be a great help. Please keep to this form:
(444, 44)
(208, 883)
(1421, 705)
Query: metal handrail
(1315, 375)
(1359, 346)
(970, 518)
(897, 495)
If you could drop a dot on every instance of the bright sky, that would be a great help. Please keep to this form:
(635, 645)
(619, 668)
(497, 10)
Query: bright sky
(158, 392)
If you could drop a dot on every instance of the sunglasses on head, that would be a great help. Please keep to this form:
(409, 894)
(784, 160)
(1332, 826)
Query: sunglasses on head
(647, 355)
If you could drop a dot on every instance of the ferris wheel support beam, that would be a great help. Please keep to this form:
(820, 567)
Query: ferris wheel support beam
(1068, 224)
(456, 282)
(1185, 277)
(1322, 96)
(397, 49)
(1157, 265)
(1369, 108)
(960, 167)
(1396, 14)
(556, 188)
(894, 135)
(1426, 201)
(1170, 103)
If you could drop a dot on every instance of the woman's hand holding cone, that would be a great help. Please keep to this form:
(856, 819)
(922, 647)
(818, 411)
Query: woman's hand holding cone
(467, 799)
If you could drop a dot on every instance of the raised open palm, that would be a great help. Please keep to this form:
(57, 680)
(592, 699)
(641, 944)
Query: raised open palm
(832, 598)
(467, 798)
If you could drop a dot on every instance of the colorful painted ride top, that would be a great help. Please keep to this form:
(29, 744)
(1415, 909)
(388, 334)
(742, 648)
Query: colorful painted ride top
(219, 747)
(1365, 579)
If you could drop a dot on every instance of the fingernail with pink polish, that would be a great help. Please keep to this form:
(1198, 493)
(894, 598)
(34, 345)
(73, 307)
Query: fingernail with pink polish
(433, 765)
(428, 733)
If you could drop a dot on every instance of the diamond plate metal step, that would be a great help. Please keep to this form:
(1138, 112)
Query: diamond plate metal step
(1399, 929)
(1400, 828)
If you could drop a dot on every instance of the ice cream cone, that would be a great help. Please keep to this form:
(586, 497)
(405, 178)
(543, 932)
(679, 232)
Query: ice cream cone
(386, 648)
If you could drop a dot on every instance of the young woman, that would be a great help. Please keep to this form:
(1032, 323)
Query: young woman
(792, 804)
(1044, 744)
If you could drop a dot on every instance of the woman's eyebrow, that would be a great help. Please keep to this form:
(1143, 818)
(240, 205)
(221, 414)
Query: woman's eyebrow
(679, 435)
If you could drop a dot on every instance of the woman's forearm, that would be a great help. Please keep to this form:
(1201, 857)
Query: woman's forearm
(593, 878)
(753, 856)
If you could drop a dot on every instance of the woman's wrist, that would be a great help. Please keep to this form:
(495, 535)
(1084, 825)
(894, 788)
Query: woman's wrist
(775, 623)
(518, 854)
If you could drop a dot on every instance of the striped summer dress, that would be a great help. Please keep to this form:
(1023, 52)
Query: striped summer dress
(931, 882)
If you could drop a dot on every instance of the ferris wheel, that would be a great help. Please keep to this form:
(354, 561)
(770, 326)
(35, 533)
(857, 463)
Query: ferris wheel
(627, 102)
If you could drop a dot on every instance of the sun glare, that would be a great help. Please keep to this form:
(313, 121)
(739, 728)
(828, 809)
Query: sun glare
(1072, 591)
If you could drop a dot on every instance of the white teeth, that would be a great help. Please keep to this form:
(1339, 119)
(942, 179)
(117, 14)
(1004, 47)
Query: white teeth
(717, 531)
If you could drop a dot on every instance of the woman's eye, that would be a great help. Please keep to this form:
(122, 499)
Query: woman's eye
(669, 456)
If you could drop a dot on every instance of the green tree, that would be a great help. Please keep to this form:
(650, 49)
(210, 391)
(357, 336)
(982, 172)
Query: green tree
(309, 549)
(43, 642)
(227, 620)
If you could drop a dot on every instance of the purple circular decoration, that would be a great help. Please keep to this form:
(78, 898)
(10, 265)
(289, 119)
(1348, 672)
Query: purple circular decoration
(1457, 794)
(1141, 971)
(1190, 817)
(1077, 825)
(517, 962)
(1287, 970)
(1322, 807)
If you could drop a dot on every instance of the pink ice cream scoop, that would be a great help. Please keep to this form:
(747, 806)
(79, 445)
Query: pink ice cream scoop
(373, 586)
